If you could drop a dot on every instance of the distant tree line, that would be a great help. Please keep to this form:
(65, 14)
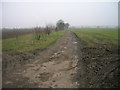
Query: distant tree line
(15, 32)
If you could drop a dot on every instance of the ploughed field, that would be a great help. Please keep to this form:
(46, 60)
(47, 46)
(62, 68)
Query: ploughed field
(77, 58)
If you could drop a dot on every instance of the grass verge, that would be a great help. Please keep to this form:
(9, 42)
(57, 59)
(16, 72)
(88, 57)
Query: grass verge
(29, 43)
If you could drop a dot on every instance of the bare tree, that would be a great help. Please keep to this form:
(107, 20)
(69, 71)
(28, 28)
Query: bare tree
(37, 32)
(47, 30)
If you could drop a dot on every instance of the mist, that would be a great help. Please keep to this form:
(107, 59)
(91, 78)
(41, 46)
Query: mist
(31, 14)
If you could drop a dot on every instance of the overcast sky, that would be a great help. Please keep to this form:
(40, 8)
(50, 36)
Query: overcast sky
(31, 14)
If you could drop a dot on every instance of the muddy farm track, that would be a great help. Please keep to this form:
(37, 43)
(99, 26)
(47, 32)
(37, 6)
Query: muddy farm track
(65, 64)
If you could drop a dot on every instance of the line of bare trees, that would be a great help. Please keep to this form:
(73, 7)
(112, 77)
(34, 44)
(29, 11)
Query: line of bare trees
(38, 32)
(42, 32)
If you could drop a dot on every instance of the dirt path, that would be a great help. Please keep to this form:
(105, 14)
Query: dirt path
(55, 67)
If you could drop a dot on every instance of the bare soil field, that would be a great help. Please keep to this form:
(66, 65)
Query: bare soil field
(68, 63)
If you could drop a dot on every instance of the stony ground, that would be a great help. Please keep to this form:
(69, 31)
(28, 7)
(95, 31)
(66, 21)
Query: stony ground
(66, 64)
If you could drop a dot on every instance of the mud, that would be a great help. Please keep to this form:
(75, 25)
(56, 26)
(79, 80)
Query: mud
(68, 63)
(102, 66)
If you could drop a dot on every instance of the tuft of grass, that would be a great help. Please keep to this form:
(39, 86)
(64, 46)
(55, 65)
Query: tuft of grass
(104, 36)
(0, 44)
(29, 43)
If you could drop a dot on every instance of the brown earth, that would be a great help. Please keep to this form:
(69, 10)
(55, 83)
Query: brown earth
(69, 63)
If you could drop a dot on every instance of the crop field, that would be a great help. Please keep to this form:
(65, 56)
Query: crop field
(101, 36)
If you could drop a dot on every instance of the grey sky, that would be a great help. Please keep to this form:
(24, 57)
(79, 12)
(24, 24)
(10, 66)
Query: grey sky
(31, 14)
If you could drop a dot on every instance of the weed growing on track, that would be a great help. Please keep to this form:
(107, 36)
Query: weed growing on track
(29, 43)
